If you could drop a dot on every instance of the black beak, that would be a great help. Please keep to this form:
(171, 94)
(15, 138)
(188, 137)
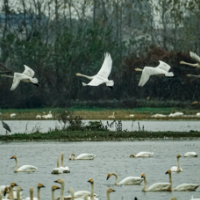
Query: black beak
(166, 172)
(55, 181)
(107, 178)
(111, 87)
(37, 85)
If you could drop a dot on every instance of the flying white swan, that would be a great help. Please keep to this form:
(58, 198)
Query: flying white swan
(53, 188)
(65, 169)
(131, 180)
(57, 170)
(142, 154)
(183, 186)
(39, 186)
(162, 69)
(177, 168)
(25, 76)
(24, 168)
(190, 154)
(156, 187)
(195, 57)
(83, 156)
(102, 75)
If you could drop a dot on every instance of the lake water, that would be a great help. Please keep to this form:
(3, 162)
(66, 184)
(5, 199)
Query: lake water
(111, 157)
(23, 126)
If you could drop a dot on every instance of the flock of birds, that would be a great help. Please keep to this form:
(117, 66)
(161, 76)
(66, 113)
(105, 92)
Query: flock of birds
(10, 193)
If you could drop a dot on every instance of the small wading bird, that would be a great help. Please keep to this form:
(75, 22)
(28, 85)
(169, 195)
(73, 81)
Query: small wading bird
(25, 76)
(102, 76)
(162, 69)
(5, 125)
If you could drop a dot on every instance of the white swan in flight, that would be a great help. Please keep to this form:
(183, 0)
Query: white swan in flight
(83, 156)
(183, 186)
(25, 76)
(142, 154)
(195, 57)
(65, 169)
(191, 154)
(24, 168)
(177, 168)
(130, 180)
(156, 187)
(102, 75)
(162, 69)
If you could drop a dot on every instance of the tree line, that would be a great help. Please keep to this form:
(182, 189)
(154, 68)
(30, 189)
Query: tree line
(59, 38)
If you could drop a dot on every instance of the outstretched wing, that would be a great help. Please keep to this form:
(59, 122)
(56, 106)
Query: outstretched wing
(106, 67)
(28, 71)
(195, 57)
(164, 66)
(146, 73)
(96, 81)
(17, 78)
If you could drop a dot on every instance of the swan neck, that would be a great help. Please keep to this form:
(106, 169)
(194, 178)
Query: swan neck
(31, 195)
(144, 186)
(52, 195)
(38, 193)
(83, 75)
(116, 178)
(72, 195)
(92, 191)
(16, 164)
(0, 195)
(178, 165)
(139, 69)
(170, 180)
(9, 76)
(11, 193)
(62, 160)
(193, 65)
(62, 191)
(108, 195)
(57, 162)
(18, 194)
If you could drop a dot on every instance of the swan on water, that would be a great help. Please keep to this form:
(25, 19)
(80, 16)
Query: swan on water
(102, 75)
(66, 168)
(194, 198)
(142, 154)
(9, 190)
(83, 156)
(39, 186)
(177, 168)
(162, 69)
(131, 180)
(156, 187)
(24, 168)
(57, 170)
(53, 188)
(108, 191)
(190, 154)
(183, 186)
(92, 197)
(25, 76)
(62, 183)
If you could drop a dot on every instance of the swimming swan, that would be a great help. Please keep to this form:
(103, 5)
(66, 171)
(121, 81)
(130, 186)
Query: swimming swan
(156, 187)
(25, 76)
(195, 57)
(65, 169)
(182, 187)
(177, 168)
(24, 168)
(108, 191)
(190, 154)
(53, 188)
(62, 183)
(142, 154)
(39, 186)
(131, 180)
(102, 75)
(92, 197)
(194, 198)
(57, 170)
(83, 156)
(17, 194)
(162, 69)
(9, 190)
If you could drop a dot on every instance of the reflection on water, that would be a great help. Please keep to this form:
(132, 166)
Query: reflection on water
(23, 126)
(111, 157)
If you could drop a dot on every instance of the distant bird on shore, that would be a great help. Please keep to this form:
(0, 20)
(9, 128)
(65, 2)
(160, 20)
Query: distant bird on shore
(112, 116)
(195, 57)
(162, 69)
(25, 76)
(12, 115)
(6, 126)
(102, 76)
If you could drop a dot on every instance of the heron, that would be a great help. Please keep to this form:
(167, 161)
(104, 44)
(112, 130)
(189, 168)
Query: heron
(6, 126)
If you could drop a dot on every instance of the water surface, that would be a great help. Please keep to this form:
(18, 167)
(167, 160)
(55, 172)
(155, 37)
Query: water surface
(111, 157)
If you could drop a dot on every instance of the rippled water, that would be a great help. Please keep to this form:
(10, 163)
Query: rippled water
(111, 157)
(23, 126)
